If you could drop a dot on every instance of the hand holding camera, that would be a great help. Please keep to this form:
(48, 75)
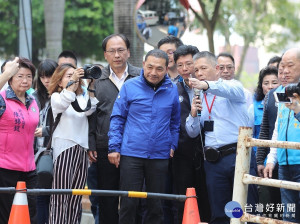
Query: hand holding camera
(294, 105)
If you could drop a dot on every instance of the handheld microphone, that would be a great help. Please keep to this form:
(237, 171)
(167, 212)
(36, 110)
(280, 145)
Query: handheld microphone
(197, 94)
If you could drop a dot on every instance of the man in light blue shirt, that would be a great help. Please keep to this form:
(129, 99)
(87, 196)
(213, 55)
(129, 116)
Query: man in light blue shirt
(224, 110)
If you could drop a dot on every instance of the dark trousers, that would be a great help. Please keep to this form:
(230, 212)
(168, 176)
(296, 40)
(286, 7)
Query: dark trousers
(290, 198)
(133, 172)
(219, 180)
(189, 173)
(92, 182)
(169, 207)
(42, 206)
(9, 178)
(270, 195)
(108, 179)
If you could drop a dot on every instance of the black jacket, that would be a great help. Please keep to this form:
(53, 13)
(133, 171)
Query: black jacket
(99, 121)
(267, 126)
(187, 147)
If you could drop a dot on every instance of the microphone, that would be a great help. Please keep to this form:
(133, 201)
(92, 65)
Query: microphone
(197, 94)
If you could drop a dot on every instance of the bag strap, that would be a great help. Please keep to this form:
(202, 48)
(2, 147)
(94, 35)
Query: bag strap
(52, 128)
(76, 106)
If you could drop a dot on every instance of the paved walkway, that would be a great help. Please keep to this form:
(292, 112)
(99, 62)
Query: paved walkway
(87, 216)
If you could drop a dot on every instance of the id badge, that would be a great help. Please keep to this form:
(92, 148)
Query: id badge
(209, 125)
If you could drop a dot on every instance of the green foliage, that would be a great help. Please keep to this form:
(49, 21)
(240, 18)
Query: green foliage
(272, 23)
(86, 24)
(9, 27)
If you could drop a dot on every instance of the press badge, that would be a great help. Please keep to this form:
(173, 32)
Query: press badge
(209, 125)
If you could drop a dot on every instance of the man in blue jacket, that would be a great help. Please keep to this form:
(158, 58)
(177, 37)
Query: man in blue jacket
(144, 133)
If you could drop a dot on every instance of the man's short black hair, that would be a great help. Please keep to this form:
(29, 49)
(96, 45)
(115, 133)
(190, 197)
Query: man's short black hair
(275, 59)
(122, 36)
(68, 54)
(170, 40)
(158, 54)
(226, 55)
(3, 65)
(185, 50)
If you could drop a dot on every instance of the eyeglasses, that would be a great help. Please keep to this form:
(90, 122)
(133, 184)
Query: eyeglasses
(113, 51)
(187, 65)
(228, 67)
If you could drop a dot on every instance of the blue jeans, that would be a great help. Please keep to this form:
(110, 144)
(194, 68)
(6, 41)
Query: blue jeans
(290, 197)
(92, 183)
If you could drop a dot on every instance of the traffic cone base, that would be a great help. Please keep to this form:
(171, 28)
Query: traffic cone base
(19, 211)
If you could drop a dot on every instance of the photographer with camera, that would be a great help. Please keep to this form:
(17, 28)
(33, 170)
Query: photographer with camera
(224, 111)
(287, 129)
(69, 139)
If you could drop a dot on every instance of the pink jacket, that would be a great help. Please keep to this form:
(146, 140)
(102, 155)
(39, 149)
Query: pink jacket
(17, 126)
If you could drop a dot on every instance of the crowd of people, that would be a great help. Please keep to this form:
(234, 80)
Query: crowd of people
(165, 127)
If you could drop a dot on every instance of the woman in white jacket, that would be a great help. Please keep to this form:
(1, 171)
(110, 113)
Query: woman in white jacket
(69, 142)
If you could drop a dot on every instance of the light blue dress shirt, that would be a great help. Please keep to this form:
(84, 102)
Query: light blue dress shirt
(229, 112)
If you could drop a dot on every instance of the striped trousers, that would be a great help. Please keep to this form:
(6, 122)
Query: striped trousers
(69, 172)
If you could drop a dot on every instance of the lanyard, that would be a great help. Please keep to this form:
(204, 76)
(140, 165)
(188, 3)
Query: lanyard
(209, 108)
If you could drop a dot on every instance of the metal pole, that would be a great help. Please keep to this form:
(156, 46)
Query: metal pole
(25, 29)
(130, 194)
(242, 166)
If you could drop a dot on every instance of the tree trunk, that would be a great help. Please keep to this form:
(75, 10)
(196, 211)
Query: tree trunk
(243, 56)
(210, 37)
(54, 22)
(124, 22)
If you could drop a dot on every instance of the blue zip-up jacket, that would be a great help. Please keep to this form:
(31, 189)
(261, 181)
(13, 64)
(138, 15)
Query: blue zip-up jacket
(258, 107)
(145, 123)
(288, 130)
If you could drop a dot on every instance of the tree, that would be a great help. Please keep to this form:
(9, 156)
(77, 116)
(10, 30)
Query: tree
(253, 21)
(208, 18)
(124, 22)
(86, 23)
(9, 27)
(54, 21)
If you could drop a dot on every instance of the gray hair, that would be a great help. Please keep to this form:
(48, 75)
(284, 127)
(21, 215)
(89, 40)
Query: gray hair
(208, 55)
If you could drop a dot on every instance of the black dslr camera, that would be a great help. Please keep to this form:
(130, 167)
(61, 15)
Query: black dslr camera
(292, 88)
(91, 72)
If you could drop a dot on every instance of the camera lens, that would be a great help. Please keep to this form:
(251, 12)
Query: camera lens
(91, 72)
(291, 89)
(95, 72)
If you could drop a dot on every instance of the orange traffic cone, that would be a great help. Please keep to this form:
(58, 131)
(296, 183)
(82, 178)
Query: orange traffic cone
(191, 211)
(19, 211)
